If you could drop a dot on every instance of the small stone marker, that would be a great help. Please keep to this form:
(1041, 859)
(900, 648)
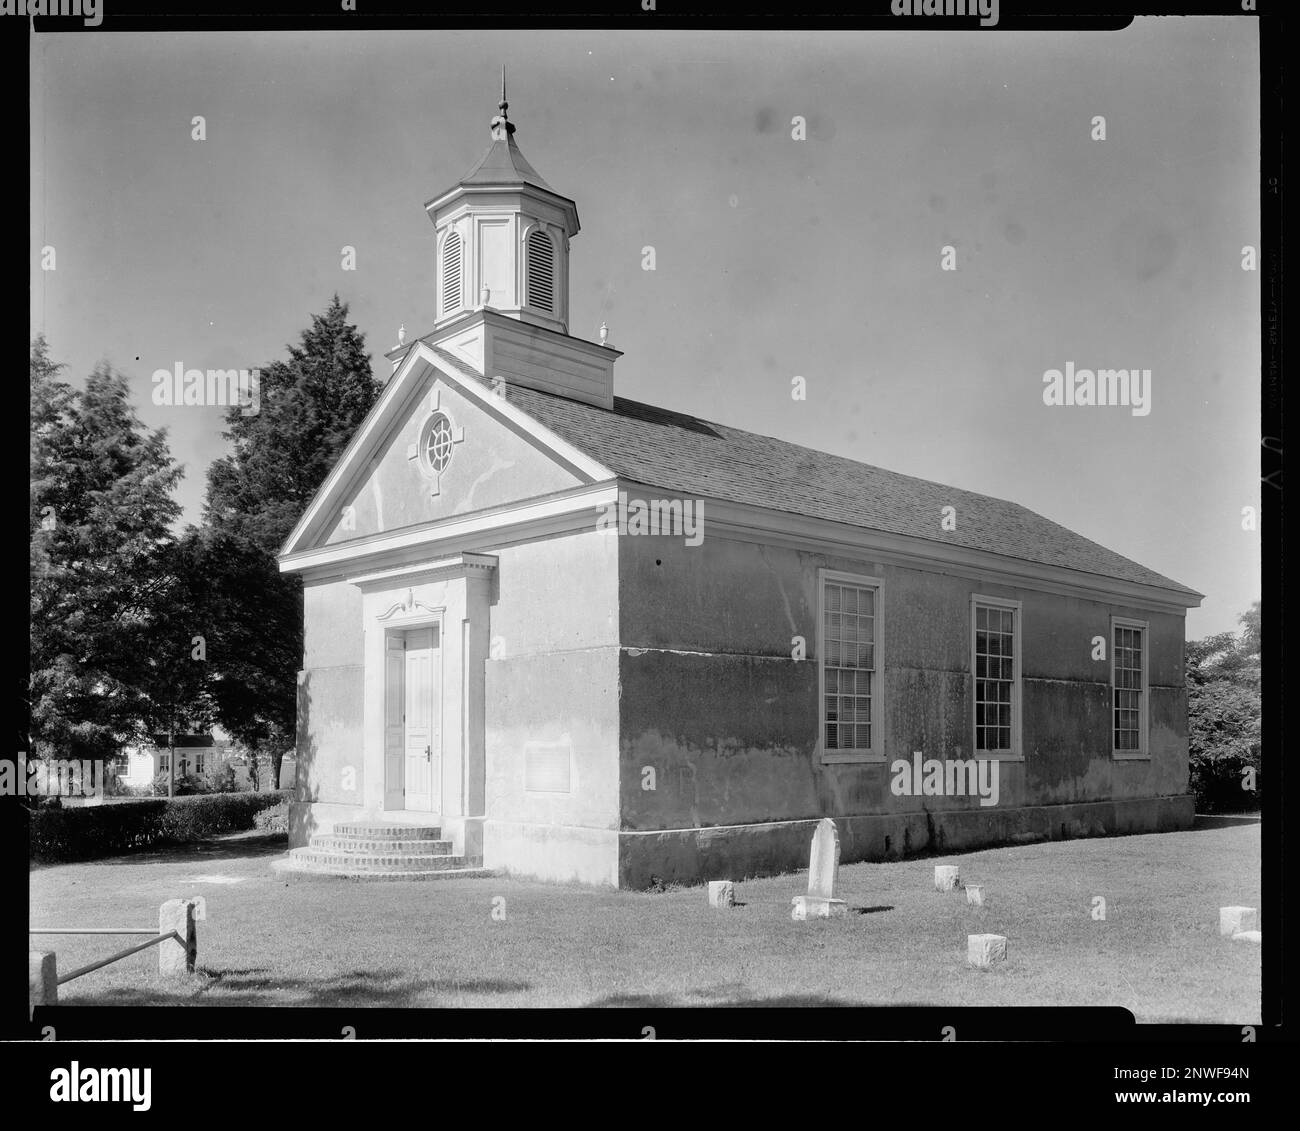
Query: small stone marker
(975, 895)
(823, 874)
(722, 893)
(986, 950)
(177, 957)
(42, 980)
(1233, 920)
(945, 877)
(1248, 936)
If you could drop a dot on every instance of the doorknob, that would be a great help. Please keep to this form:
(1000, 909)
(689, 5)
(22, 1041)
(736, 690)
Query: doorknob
(428, 753)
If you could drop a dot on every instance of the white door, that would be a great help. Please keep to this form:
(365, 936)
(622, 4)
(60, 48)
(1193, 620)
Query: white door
(394, 711)
(423, 738)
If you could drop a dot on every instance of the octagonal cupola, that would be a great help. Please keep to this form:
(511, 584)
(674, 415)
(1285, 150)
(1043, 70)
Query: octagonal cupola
(503, 238)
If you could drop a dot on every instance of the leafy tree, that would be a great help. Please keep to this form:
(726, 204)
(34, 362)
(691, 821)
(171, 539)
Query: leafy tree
(1224, 716)
(171, 674)
(225, 780)
(310, 406)
(100, 509)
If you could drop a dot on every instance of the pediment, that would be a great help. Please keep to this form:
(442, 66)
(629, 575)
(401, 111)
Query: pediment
(438, 445)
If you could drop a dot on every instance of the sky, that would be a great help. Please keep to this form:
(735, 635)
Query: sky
(774, 257)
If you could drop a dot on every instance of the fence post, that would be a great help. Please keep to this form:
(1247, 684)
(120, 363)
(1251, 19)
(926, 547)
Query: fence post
(176, 955)
(42, 980)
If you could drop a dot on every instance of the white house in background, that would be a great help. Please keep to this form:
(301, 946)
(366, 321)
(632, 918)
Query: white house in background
(203, 755)
(195, 754)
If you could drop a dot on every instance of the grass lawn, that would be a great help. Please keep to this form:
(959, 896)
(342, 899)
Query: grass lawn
(272, 939)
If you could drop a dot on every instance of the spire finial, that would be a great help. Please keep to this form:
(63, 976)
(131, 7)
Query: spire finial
(502, 127)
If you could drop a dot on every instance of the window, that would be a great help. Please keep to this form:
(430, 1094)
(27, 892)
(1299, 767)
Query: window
(541, 271)
(435, 449)
(451, 273)
(1128, 688)
(849, 654)
(164, 763)
(198, 763)
(996, 664)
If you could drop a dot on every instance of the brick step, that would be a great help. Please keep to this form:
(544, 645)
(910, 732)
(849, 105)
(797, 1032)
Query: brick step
(388, 832)
(331, 843)
(357, 862)
(341, 873)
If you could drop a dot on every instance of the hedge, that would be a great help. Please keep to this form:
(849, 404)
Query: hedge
(1219, 783)
(88, 832)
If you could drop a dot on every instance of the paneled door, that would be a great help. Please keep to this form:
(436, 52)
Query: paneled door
(422, 738)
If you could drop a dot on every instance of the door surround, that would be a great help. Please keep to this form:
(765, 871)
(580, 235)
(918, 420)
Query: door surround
(399, 798)
(455, 594)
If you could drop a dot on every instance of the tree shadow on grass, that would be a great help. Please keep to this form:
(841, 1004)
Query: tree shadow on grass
(257, 986)
(1223, 820)
(233, 846)
(733, 996)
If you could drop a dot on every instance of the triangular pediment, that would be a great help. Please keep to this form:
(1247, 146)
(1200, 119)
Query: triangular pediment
(438, 445)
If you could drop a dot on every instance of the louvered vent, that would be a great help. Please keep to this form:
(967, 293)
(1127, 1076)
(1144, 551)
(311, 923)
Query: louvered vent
(541, 272)
(451, 261)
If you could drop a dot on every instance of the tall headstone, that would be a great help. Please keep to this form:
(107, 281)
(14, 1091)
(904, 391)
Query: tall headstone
(823, 875)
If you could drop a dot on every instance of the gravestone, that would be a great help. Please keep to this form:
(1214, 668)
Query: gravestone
(722, 893)
(945, 877)
(975, 895)
(1248, 936)
(1233, 920)
(823, 874)
(986, 950)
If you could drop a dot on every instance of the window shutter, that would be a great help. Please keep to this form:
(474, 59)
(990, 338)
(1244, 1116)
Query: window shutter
(541, 272)
(451, 264)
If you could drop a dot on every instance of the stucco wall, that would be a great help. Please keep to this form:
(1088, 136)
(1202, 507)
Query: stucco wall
(552, 681)
(714, 702)
(493, 465)
(331, 686)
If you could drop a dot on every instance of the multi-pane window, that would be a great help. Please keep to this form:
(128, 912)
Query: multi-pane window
(848, 666)
(995, 678)
(198, 763)
(1128, 647)
(164, 762)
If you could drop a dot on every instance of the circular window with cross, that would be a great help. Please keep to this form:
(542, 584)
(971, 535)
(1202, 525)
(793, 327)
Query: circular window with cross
(438, 440)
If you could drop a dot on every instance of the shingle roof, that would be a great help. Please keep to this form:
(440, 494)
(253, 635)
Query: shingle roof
(682, 454)
(503, 164)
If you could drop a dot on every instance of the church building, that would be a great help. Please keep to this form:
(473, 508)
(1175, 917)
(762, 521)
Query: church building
(556, 633)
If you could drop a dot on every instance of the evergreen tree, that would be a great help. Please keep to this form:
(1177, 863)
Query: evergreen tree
(171, 674)
(100, 509)
(310, 407)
